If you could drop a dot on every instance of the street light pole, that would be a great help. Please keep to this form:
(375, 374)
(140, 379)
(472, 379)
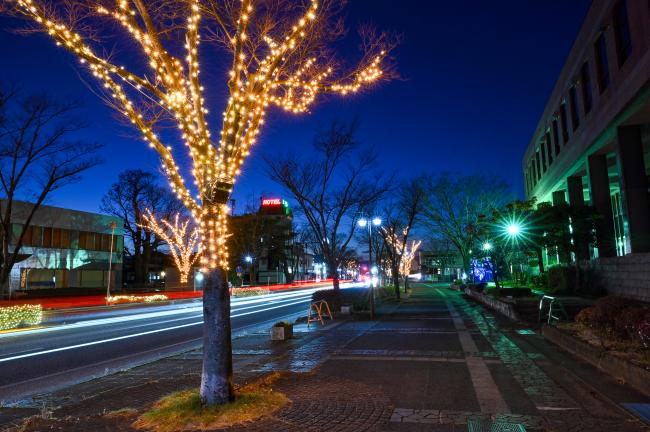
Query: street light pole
(112, 226)
(366, 223)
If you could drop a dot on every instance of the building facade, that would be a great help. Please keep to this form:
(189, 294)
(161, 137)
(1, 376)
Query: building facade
(592, 143)
(65, 248)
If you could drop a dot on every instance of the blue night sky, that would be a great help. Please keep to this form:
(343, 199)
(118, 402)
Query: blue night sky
(476, 78)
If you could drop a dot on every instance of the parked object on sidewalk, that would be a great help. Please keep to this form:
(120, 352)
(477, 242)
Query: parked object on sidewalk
(15, 316)
(346, 309)
(282, 330)
(317, 308)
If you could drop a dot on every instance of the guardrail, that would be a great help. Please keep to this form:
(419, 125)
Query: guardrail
(555, 309)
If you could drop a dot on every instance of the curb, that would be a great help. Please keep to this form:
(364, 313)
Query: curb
(503, 308)
(621, 369)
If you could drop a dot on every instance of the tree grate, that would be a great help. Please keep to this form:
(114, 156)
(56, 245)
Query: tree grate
(474, 425)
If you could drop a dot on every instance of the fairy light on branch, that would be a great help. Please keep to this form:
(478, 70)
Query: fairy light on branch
(270, 71)
(184, 242)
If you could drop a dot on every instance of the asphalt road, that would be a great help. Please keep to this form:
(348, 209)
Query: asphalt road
(77, 346)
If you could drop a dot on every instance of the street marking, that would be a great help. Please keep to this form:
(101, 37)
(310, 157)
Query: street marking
(406, 358)
(487, 392)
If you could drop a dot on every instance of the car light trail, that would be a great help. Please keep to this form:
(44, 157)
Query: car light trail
(102, 341)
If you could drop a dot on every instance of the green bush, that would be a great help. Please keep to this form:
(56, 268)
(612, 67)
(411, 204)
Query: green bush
(540, 280)
(515, 292)
(560, 279)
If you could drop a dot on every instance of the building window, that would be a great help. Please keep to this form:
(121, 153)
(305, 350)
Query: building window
(575, 118)
(587, 95)
(602, 66)
(532, 166)
(549, 148)
(622, 32)
(538, 166)
(542, 151)
(563, 123)
(556, 137)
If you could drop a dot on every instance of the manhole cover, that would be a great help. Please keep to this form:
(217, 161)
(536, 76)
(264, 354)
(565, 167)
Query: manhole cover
(493, 426)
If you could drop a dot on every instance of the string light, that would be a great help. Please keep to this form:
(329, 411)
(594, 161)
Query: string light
(276, 77)
(184, 244)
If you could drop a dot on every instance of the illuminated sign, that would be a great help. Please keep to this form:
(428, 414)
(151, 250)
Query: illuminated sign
(268, 202)
(274, 202)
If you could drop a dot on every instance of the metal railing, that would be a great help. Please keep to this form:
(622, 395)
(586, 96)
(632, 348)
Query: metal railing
(556, 311)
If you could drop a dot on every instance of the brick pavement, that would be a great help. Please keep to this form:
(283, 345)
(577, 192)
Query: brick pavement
(435, 362)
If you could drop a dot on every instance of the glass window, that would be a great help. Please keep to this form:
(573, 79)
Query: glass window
(556, 138)
(587, 95)
(65, 239)
(575, 118)
(549, 148)
(37, 236)
(538, 166)
(602, 65)
(542, 151)
(622, 32)
(56, 237)
(563, 122)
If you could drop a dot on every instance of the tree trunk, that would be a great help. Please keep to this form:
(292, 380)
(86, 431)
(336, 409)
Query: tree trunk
(335, 281)
(540, 260)
(5, 291)
(216, 377)
(396, 281)
(406, 283)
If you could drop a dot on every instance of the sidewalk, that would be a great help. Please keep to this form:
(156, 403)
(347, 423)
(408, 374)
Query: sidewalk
(435, 362)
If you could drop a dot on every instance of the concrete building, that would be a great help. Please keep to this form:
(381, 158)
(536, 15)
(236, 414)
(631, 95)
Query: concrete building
(591, 145)
(65, 248)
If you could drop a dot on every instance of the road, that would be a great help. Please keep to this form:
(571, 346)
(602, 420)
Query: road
(76, 347)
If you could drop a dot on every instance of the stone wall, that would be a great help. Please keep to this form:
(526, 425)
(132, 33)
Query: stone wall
(628, 276)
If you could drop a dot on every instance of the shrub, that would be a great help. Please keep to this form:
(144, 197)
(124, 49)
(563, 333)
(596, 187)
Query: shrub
(560, 279)
(285, 324)
(585, 317)
(15, 316)
(515, 292)
(607, 309)
(540, 280)
(248, 292)
(627, 324)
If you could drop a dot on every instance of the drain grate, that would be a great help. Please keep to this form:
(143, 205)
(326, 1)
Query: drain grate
(493, 426)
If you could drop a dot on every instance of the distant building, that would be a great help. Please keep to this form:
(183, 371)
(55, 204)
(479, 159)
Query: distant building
(65, 248)
(592, 143)
(439, 266)
(264, 248)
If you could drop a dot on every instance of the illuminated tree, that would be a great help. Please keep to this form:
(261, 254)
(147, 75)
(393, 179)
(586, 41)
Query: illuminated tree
(408, 255)
(184, 243)
(279, 55)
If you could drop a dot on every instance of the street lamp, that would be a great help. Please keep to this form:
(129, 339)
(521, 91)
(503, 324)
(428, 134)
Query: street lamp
(363, 223)
(513, 229)
(487, 246)
(112, 226)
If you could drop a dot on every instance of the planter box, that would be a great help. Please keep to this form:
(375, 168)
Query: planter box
(281, 333)
(346, 309)
(504, 308)
(617, 367)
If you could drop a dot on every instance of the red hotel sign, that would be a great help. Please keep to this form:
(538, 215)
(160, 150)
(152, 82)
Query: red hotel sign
(268, 202)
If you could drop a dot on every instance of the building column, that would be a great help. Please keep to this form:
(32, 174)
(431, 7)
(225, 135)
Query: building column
(576, 195)
(559, 197)
(634, 186)
(577, 200)
(602, 202)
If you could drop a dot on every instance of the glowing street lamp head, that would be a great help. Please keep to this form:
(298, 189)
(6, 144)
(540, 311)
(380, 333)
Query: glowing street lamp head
(248, 259)
(513, 229)
(487, 246)
(376, 221)
(362, 222)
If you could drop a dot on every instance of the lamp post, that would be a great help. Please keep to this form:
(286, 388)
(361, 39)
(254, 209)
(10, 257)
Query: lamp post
(363, 223)
(513, 230)
(112, 226)
(249, 260)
